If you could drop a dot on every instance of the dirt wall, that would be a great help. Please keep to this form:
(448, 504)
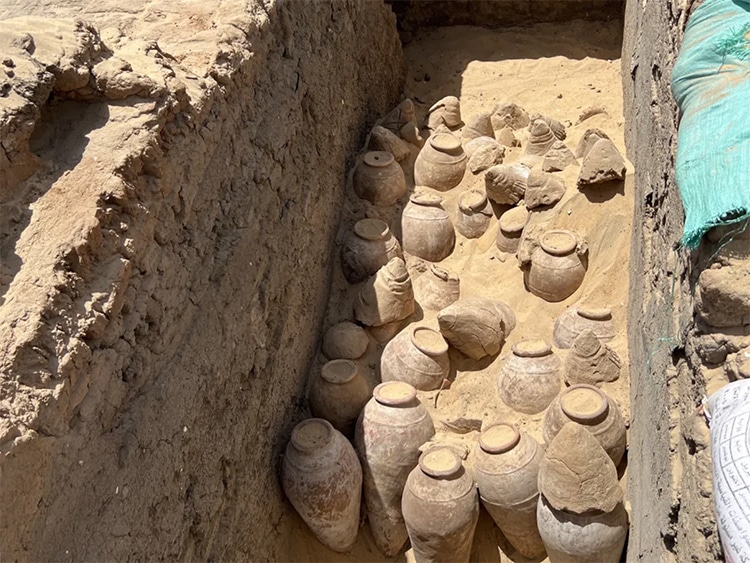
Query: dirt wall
(170, 183)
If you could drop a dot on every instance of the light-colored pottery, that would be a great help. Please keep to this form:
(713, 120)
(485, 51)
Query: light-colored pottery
(530, 378)
(382, 139)
(427, 231)
(511, 226)
(511, 115)
(417, 356)
(338, 394)
(505, 184)
(436, 288)
(322, 478)
(387, 297)
(543, 189)
(441, 508)
(557, 128)
(474, 326)
(474, 214)
(602, 163)
(589, 139)
(593, 409)
(558, 158)
(379, 179)
(393, 426)
(541, 139)
(399, 116)
(484, 153)
(446, 111)
(478, 125)
(367, 248)
(506, 470)
(345, 340)
(556, 269)
(589, 361)
(441, 163)
(578, 318)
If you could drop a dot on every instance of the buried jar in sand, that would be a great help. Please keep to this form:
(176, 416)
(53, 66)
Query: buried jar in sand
(556, 270)
(379, 179)
(338, 394)
(506, 469)
(579, 318)
(417, 356)
(595, 411)
(510, 229)
(476, 326)
(392, 427)
(346, 341)
(387, 297)
(436, 288)
(474, 214)
(589, 361)
(367, 248)
(530, 378)
(426, 227)
(322, 478)
(441, 508)
(446, 112)
(441, 163)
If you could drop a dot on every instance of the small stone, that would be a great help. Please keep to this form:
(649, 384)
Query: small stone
(602, 164)
(723, 296)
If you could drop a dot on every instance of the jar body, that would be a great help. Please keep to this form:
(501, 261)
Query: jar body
(388, 439)
(439, 170)
(436, 289)
(339, 403)
(403, 361)
(554, 278)
(473, 223)
(427, 232)
(362, 257)
(572, 323)
(325, 487)
(508, 241)
(529, 384)
(380, 185)
(387, 297)
(593, 537)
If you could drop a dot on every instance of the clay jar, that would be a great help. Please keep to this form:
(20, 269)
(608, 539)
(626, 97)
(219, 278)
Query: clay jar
(390, 431)
(591, 537)
(379, 179)
(511, 226)
(345, 340)
(417, 356)
(441, 163)
(338, 394)
(387, 297)
(556, 269)
(530, 378)
(595, 411)
(368, 247)
(321, 476)
(436, 289)
(474, 213)
(575, 320)
(426, 227)
(441, 508)
(506, 469)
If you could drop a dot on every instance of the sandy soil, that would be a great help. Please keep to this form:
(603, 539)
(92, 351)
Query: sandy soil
(556, 70)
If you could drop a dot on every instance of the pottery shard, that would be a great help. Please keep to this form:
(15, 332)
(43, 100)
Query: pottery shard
(590, 361)
(577, 475)
(381, 139)
(510, 115)
(590, 137)
(543, 189)
(478, 125)
(473, 326)
(723, 296)
(484, 153)
(558, 158)
(506, 184)
(602, 164)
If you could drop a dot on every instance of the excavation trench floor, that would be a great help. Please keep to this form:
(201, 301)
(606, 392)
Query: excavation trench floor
(558, 71)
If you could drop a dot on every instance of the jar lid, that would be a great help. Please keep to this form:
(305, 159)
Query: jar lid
(424, 198)
(473, 200)
(595, 314)
(584, 403)
(559, 242)
(514, 220)
(445, 142)
(371, 229)
(378, 159)
(440, 461)
(338, 371)
(499, 438)
(532, 348)
(312, 434)
(394, 393)
(429, 341)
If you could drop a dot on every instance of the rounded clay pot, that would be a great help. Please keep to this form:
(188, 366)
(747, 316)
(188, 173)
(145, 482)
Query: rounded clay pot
(511, 226)
(417, 356)
(338, 394)
(474, 214)
(426, 228)
(436, 289)
(556, 269)
(441, 163)
(367, 248)
(530, 378)
(379, 179)
(577, 319)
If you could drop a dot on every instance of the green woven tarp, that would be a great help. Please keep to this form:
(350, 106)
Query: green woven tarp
(711, 83)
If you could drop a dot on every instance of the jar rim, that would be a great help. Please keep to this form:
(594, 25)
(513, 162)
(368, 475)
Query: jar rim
(532, 348)
(511, 221)
(371, 229)
(595, 313)
(565, 244)
(394, 393)
(499, 437)
(428, 341)
(312, 435)
(444, 142)
(584, 403)
(378, 159)
(472, 200)
(440, 461)
(339, 371)
(424, 198)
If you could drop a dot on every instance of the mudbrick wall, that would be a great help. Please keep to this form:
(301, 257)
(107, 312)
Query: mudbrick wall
(169, 188)
(669, 473)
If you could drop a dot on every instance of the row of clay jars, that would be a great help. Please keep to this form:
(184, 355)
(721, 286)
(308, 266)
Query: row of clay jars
(506, 469)
(441, 508)
(379, 179)
(417, 356)
(530, 378)
(367, 248)
(556, 269)
(392, 427)
(322, 477)
(426, 228)
(338, 394)
(441, 163)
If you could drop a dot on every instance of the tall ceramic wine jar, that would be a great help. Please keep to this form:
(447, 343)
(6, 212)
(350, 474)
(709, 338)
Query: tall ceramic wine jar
(367, 248)
(441, 163)
(530, 378)
(322, 477)
(417, 356)
(426, 228)
(474, 214)
(441, 508)
(591, 537)
(390, 431)
(577, 319)
(379, 179)
(556, 269)
(506, 468)
(338, 394)
(595, 411)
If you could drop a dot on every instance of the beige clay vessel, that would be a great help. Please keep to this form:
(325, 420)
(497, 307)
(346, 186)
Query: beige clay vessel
(531, 377)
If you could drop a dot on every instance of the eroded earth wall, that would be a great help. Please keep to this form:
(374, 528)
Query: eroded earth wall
(170, 182)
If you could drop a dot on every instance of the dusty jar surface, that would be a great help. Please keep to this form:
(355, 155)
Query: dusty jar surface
(556, 270)
(530, 378)
(367, 248)
(474, 214)
(418, 356)
(379, 179)
(441, 163)
(338, 394)
(575, 320)
(427, 231)
(511, 226)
